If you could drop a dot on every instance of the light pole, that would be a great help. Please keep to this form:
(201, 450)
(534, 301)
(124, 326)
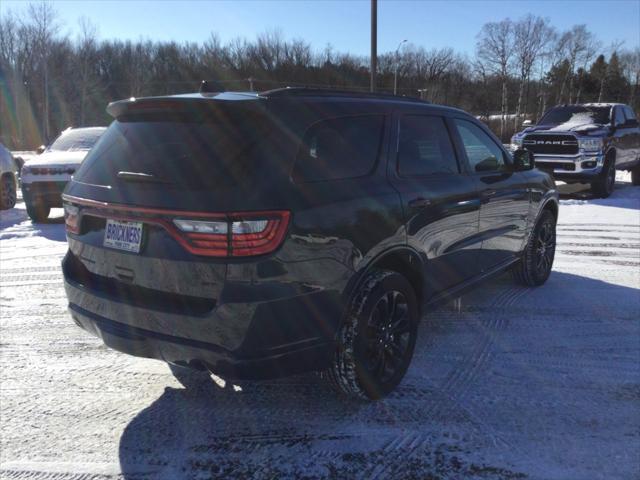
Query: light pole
(395, 76)
(374, 43)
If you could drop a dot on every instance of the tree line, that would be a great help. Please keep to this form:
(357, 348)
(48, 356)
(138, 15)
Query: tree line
(49, 81)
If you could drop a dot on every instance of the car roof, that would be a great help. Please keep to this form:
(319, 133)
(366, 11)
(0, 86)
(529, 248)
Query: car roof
(300, 94)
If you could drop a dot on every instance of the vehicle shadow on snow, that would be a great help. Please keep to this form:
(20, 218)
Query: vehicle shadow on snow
(18, 222)
(285, 428)
(625, 195)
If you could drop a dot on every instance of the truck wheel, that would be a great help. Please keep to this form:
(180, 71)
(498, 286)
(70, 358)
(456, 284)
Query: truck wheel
(635, 175)
(377, 338)
(38, 212)
(604, 185)
(537, 259)
(7, 192)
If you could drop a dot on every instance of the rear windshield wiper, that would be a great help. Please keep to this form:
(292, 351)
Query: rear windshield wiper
(141, 177)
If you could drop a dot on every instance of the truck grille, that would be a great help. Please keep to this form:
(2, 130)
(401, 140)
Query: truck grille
(551, 144)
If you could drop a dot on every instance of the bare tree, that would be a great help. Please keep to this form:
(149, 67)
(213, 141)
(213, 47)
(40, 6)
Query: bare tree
(532, 36)
(576, 44)
(630, 61)
(591, 48)
(86, 55)
(495, 48)
(43, 28)
(613, 48)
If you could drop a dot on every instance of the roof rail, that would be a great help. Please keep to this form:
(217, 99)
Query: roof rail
(328, 92)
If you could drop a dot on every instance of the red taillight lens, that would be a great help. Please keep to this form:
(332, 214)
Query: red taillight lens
(239, 235)
(258, 236)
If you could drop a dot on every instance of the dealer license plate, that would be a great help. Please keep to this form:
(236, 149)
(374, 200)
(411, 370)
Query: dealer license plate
(123, 235)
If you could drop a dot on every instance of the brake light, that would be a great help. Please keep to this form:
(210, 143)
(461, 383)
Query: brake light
(241, 235)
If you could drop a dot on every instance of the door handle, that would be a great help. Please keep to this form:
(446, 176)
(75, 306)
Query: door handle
(419, 202)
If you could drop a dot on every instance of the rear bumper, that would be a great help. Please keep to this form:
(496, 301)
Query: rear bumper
(260, 339)
(47, 193)
(182, 351)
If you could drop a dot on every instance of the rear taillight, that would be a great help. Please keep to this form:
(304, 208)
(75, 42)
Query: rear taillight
(71, 218)
(234, 234)
(258, 236)
(239, 235)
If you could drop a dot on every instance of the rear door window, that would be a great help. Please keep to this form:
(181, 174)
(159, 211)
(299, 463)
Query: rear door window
(339, 148)
(424, 147)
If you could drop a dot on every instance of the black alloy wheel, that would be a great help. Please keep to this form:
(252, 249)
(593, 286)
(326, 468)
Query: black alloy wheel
(376, 341)
(387, 336)
(536, 263)
(545, 248)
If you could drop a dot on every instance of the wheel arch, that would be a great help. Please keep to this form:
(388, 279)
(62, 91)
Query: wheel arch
(403, 260)
(551, 205)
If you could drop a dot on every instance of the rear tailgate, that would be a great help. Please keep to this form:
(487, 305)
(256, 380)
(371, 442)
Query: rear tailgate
(160, 162)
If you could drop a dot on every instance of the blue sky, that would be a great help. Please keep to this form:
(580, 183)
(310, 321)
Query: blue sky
(343, 24)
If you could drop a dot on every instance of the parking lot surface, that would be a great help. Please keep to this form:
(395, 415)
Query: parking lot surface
(508, 383)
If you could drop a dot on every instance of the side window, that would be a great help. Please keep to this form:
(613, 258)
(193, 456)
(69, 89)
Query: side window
(630, 115)
(619, 116)
(424, 147)
(483, 153)
(339, 148)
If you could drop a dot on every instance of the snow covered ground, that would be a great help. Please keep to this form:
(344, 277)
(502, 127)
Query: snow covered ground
(511, 383)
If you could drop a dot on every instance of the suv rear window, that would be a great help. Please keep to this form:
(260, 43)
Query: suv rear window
(182, 152)
(339, 148)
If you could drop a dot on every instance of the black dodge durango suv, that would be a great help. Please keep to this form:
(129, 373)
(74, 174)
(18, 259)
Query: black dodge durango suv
(258, 235)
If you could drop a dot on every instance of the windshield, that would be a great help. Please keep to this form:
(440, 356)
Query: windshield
(81, 139)
(577, 115)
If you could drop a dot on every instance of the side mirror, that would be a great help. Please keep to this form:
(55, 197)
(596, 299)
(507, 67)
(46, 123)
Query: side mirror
(40, 149)
(523, 160)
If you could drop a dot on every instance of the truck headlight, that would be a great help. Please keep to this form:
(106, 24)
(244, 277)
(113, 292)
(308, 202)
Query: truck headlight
(25, 171)
(590, 143)
(517, 141)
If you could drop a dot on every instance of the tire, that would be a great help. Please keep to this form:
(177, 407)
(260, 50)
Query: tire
(635, 175)
(604, 185)
(377, 338)
(38, 212)
(537, 259)
(7, 192)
